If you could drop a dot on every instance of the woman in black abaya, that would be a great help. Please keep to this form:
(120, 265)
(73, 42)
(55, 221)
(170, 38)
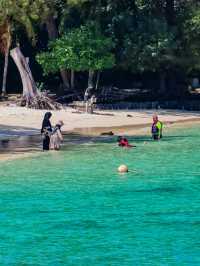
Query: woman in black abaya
(46, 131)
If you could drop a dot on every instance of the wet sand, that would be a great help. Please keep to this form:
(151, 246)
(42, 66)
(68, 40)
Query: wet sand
(131, 130)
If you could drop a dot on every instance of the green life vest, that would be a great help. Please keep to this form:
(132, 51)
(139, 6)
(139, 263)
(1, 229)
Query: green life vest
(159, 125)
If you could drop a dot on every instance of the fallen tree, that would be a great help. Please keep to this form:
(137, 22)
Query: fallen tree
(31, 97)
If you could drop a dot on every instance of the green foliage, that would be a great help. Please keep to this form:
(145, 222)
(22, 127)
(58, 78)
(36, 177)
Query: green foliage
(190, 41)
(41, 9)
(149, 47)
(19, 13)
(192, 24)
(147, 35)
(81, 49)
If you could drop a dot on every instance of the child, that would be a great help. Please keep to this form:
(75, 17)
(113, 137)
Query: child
(56, 137)
(123, 142)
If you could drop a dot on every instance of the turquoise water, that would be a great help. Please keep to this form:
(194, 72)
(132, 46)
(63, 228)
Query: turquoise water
(73, 208)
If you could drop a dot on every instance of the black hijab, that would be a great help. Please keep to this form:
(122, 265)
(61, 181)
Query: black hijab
(46, 124)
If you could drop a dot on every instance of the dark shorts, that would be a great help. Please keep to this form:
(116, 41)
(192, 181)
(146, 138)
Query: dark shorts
(155, 137)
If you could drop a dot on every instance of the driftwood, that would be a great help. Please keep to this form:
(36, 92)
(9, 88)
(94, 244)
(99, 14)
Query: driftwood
(31, 98)
(109, 133)
(41, 102)
(29, 86)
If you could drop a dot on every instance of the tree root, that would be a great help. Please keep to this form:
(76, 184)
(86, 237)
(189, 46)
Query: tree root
(40, 102)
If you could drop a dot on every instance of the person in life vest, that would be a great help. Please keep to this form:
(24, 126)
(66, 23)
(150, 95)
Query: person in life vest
(156, 128)
(123, 142)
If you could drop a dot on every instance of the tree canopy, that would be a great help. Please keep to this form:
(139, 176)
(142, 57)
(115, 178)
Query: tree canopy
(129, 36)
(81, 49)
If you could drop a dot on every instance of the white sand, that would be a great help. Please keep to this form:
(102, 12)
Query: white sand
(31, 119)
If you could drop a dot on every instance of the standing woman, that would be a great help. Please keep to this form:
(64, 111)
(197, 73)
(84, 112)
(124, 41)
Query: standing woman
(46, 131)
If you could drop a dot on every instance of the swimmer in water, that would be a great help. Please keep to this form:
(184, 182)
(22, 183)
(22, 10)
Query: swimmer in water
(123, 142)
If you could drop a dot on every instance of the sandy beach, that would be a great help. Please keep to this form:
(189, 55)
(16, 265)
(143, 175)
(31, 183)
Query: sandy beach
(18, 118)
(20, 127)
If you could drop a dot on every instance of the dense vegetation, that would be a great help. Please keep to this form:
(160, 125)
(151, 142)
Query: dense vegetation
(72, 44)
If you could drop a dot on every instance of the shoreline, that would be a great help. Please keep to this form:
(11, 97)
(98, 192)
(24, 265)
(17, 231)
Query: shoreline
(129, 130)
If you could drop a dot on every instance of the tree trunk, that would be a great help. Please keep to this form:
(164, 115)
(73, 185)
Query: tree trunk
(91, 79)
(31, 96)
(65, 79)
(171, 83)
(53, 34)
(51, 28)
(29, 86)
(170, 12)
(98, 79)
(72, 79)
(6, 48)
(162, 83)
(5, 71)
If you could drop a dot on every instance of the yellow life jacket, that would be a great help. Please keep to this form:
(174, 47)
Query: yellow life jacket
(159, 125)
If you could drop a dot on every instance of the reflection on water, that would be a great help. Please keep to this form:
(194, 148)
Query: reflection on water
(18, 139)
(34, 143)
(25, 143)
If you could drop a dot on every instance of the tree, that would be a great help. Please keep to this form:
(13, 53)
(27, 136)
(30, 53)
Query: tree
(5, 42)
(190, 41)
(151, 47)
(82, 49)
(51, 13)
(31, 96)
(13, 13)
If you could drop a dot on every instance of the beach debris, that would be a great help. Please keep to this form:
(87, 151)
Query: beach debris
(77, 112)
(105, 114)
(41, 101)
(123, 169)
(109, 133)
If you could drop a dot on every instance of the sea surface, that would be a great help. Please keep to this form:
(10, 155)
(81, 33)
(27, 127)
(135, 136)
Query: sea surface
(73, 208)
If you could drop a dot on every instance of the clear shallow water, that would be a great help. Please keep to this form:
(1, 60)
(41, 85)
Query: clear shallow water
(73, 208)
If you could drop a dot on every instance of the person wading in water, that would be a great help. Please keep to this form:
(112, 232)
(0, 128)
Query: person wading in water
(56, 137)
(46, 131)
(156, 129)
